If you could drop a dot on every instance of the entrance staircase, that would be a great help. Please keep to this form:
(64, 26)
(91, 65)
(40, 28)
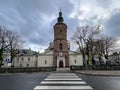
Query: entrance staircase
(63, 70)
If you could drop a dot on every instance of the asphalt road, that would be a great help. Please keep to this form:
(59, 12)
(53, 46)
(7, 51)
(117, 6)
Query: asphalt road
(29, 81)
(21, 81)
(102, 82)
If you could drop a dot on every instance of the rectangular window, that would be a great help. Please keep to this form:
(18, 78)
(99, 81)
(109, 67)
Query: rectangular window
(27, 65)
(20, 65)
(17, 59)
(22, 59)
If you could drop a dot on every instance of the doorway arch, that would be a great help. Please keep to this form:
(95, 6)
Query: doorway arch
(60, 63)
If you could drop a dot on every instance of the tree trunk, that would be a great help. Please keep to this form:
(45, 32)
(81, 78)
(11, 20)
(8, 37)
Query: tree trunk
(1, 57)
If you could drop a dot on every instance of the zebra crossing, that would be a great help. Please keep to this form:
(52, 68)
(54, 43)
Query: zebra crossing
(63, 81)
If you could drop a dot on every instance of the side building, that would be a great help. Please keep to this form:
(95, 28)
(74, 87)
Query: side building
(25, 58)
(115, 58)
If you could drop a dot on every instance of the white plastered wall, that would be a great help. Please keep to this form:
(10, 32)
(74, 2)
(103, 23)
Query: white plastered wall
(78, 58)
(32, 62)
(45, 58)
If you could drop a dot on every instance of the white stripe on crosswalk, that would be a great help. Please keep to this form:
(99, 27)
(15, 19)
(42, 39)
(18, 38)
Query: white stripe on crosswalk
(63, 87)
(62, 76)
(63, 79)
(62, 82)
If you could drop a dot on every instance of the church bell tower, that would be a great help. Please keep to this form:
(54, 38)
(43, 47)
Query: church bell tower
(61, 45)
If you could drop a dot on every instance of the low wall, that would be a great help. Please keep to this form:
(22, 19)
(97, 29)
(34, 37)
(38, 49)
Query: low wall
(27, 69)
(96, 67)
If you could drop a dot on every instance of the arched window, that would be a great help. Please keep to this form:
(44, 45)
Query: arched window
(60, 46)
(28, 58)
(60, 31)
(45, 61)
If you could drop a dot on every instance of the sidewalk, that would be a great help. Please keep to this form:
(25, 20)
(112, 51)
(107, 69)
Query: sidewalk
(100, 72)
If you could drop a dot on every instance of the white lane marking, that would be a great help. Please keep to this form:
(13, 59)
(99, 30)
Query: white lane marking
(63, 87)
(62, 82)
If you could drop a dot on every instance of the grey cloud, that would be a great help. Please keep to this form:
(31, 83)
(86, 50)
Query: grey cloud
(112, 25)
(104, 3)
(25, 17)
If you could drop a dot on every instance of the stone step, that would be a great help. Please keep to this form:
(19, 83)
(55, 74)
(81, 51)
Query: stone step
(63, 69)
(63, 74)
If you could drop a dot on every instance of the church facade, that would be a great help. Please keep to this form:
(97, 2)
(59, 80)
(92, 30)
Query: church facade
(58, 53)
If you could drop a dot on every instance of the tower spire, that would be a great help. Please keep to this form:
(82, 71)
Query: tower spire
(60, 18)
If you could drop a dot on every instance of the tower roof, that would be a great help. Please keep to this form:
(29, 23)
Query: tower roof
(60, 18)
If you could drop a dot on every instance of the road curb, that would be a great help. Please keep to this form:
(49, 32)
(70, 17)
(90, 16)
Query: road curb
(96, 74)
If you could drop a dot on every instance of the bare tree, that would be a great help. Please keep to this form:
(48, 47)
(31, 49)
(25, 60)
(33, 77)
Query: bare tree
(108, 43)
(9, 41)
(3, 43)
(15, 43)
(84, 37)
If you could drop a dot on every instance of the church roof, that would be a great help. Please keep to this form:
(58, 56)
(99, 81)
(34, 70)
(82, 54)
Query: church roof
(47, 53)
(73, 52)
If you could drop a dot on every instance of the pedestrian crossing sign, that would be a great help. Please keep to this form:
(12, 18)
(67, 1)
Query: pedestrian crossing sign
(7, 60)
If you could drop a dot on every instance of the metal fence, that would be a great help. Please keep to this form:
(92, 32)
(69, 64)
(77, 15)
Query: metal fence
(96, 67)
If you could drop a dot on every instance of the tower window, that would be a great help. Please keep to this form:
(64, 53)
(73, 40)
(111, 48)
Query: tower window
(60, 30)
(60, 46)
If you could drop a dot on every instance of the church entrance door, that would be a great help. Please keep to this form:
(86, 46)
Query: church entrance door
(60, 64)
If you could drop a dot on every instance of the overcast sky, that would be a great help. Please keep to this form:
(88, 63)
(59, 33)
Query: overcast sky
(34, 19)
